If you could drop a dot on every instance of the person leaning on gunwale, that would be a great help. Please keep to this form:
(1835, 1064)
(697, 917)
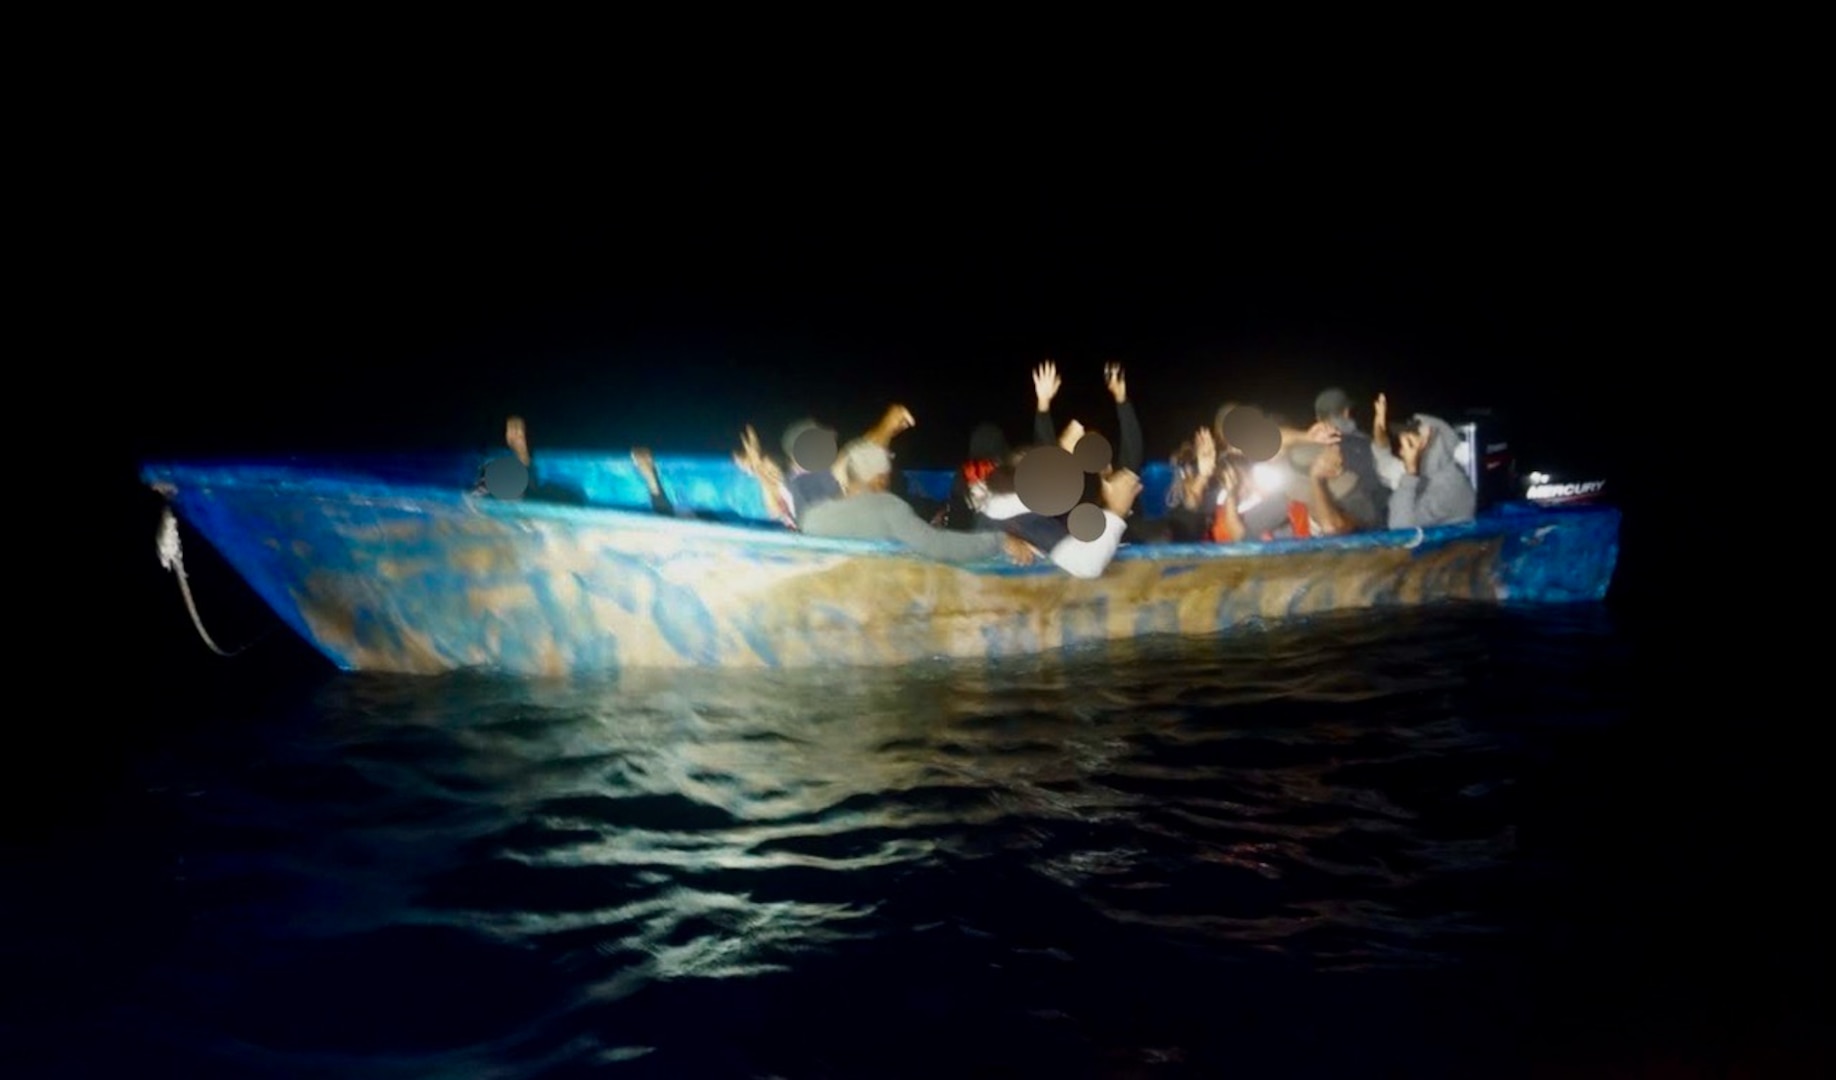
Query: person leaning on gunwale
(868, 511)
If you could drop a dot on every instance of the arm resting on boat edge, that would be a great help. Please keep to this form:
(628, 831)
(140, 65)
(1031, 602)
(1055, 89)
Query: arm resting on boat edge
(944, 545)
(885, 516)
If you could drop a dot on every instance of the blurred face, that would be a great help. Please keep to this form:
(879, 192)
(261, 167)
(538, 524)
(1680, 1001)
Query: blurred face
(1217, 425)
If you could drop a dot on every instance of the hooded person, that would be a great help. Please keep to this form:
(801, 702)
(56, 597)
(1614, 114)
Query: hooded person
(1433, 489)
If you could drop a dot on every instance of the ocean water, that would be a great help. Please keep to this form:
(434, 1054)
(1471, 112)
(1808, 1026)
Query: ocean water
(1456, 843)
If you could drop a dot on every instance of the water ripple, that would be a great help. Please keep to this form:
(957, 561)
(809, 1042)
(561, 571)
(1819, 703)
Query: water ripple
(660, 874)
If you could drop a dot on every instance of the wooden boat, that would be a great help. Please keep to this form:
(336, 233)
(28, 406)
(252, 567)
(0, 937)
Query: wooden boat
(394, 566)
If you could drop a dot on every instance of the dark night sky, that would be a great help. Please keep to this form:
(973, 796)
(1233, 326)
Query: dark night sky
(346, 292)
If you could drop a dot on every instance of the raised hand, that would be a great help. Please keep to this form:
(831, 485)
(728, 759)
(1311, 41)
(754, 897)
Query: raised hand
(897, 418)
(516, 437)
(646, 467)
(1205, 447)
(752, 459)
(1068, 438)
(1045, 384)
(1113, 379)
(748, 456)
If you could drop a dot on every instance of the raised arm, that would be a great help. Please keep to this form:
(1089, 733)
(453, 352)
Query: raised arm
(1389, 466)
(1193, 486)
(897, 419)
(770, 479)
(1131, 454)
(647, 468)
(1045, 388)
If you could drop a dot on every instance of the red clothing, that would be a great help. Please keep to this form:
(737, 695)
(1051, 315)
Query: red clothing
(1297, 517)
(1300, 518)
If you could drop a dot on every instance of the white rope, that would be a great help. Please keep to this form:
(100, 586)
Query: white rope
(172, 558)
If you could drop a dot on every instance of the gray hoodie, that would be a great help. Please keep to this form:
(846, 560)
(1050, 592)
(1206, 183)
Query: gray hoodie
(1441, 494)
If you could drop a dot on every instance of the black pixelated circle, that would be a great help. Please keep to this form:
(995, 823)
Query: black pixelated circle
(1086, 522)
(1048, 480)
(1093, 453)
(1054, 483)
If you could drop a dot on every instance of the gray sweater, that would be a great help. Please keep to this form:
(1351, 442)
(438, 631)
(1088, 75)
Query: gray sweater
(881, 515)
(1442, 494)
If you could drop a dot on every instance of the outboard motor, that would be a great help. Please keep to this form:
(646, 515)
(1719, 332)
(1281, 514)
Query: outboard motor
(1491, 463)
(1546, 490)
(1485, 453)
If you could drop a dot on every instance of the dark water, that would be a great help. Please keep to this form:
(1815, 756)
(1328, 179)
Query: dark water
(1469, 843)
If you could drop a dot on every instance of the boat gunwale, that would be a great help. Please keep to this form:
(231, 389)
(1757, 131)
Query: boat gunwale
(1500, 520)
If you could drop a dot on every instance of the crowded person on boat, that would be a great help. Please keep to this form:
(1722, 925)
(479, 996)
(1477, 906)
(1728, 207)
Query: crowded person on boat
(1070, 499)
(515, 475)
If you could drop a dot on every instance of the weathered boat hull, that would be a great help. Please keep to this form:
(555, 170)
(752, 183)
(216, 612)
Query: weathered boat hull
(400, 578)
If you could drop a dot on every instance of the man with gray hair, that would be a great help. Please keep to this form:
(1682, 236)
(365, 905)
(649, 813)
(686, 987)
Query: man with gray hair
(867, 510)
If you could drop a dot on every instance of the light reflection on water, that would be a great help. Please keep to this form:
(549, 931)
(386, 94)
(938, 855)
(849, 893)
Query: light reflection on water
(740, 874)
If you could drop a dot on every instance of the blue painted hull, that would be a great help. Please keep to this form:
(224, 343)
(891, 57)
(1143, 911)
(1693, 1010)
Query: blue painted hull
(391, 566)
